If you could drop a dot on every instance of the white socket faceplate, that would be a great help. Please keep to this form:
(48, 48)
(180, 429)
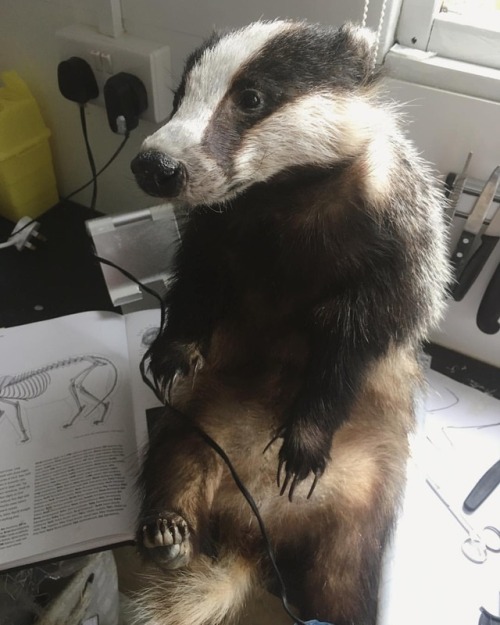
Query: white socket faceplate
(147, 60)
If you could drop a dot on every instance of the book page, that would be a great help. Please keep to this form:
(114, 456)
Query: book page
(68, 458)
(142, 328)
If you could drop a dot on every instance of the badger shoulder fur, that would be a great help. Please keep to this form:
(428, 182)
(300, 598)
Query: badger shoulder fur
(311, 267)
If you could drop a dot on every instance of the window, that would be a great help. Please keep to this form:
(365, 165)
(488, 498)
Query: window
(452, 44)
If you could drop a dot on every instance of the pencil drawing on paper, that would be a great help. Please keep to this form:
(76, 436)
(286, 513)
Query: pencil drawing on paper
(87, 380)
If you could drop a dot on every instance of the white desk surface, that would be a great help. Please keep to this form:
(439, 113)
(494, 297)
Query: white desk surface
(427, 579)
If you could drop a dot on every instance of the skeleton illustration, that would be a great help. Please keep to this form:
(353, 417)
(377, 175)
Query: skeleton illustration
(89, 398)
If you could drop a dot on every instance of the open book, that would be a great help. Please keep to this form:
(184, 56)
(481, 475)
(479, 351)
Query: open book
(72, 429)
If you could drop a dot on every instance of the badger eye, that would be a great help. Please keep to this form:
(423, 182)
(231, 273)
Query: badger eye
(250, 99)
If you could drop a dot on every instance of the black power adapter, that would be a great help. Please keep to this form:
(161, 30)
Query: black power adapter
(76, 80)
(125, 97)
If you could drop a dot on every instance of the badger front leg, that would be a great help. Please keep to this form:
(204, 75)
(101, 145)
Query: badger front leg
(180, 347)
(343, 340)
(179, 478)
(320, 408)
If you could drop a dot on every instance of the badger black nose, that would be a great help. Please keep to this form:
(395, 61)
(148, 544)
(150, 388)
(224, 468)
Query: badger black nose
(158, 174)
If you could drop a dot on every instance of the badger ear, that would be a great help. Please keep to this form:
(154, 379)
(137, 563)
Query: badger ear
(360, 43)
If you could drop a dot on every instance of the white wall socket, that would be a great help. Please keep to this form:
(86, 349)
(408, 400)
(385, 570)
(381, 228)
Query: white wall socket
(147, 60)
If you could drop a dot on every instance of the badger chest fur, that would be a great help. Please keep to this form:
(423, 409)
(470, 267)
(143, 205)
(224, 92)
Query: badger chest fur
(311, 267)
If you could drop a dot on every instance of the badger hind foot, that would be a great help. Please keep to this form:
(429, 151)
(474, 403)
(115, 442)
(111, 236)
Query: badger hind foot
(166, 540)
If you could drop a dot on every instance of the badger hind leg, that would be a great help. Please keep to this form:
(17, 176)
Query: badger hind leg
(208, 592)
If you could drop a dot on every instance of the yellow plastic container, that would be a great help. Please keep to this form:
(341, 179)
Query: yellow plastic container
(27, 180)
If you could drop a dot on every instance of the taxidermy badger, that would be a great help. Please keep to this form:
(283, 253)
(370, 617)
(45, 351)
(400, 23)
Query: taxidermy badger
(311, 266)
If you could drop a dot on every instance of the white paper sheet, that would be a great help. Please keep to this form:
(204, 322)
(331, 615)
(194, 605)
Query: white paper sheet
(427, 579)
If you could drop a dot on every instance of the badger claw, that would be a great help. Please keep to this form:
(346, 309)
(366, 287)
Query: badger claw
(317, 475)
(298, 461)
(294, 480)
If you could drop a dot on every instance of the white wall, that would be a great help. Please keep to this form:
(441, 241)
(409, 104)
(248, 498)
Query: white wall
(444, 126)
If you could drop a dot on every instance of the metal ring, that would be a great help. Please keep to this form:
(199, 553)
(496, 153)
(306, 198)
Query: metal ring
(495, 546)
(475, 550)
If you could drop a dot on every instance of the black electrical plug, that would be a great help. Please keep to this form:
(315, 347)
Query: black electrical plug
(76, 80)
(126, 98)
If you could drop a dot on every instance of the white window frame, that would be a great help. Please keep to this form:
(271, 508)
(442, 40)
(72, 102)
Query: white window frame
(442, 50)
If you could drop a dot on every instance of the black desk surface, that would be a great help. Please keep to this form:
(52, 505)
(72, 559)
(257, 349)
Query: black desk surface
(61, 277)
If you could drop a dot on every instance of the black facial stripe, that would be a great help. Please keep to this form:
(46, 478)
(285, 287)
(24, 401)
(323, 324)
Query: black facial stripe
(229, 123)
(304, 59)
(223, 136)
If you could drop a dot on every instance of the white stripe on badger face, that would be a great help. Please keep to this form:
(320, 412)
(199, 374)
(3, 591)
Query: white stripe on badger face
(317, 129)
(206, 85)
(211, 77)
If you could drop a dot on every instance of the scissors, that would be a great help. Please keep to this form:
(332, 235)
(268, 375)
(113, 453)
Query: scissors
(478, 543)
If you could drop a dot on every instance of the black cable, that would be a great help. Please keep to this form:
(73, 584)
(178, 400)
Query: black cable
(210, 441)
(142, 364)
(95, 173)
(90, 156)
(100, 171)
(128, 275)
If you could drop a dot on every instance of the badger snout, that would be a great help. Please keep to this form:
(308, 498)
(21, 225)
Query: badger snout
(158, 174)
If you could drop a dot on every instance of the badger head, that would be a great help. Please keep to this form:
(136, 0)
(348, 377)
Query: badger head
(257, 101)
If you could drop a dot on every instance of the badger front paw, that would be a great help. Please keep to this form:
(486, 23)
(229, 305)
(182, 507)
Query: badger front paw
(304, 453)
(174, 359)
(165, 538)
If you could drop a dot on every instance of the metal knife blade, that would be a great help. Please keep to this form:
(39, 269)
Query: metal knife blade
(473, 268)
(493, 229)
(457, 189)
(474, 222)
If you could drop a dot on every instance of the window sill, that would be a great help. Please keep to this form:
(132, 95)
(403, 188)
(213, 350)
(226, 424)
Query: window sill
(428, 69)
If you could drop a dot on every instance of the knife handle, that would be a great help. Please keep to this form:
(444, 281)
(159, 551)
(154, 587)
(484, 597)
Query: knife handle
(483, 489)
(488, 313)
(462, 251)
(487, 619)
(473, 268)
